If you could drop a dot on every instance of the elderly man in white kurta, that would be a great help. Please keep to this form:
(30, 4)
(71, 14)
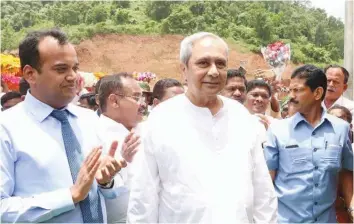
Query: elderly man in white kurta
(202, 160)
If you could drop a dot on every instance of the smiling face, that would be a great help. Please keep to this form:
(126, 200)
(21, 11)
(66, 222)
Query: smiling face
(55, 84)
(257, 100)
(207, 67)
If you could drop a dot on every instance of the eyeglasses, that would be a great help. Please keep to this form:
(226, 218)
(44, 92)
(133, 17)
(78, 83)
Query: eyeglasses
(138, 99)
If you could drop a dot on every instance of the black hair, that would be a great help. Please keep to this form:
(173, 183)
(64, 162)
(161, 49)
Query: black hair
(344, 109)
(236, 73)
(9, 96)
(91, 100)
(23, 86)
(314, 77)
(28, 49)
(160, 87)
(258, 83)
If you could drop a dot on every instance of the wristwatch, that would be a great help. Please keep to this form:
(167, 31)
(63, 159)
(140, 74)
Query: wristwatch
(108, 185)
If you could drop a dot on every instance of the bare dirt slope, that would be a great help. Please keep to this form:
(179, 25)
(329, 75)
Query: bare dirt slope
(114, 53)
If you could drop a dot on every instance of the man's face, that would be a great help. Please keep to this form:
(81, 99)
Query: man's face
(235, 89)
(302, 98)
(130, 105)
(11, 103)
(55, 84)
(335, 84)
(207, 67)
(257, 100)
(339, 113)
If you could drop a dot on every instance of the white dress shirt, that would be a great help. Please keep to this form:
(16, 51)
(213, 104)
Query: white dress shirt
(343, 101)
(35, 175)
(201, 168)
(108, 131)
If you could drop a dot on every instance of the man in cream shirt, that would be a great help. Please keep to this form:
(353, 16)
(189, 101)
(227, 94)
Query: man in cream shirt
(202, 160)
(337, 84)
(119, 99)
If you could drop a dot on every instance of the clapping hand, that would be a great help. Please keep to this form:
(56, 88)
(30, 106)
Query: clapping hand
(109, 166)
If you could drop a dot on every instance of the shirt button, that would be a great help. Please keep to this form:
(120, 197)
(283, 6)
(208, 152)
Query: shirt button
(316, 185)
(313, 133)
(315, 219)
(316, 167)
(316, 203)
(314, 149)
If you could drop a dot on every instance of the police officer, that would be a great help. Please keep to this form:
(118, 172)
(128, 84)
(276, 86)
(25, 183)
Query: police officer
(308, 153)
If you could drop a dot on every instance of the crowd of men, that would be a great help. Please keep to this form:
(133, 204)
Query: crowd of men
(216, 149)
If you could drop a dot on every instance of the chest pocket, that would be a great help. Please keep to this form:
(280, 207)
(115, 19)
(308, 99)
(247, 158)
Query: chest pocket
(331, 156)
(295, 158)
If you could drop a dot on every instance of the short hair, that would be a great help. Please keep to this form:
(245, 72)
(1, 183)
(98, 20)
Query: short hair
(110, 84)
(344, 109)
(344, 71)
(23, 86)
(9, 96)
(187, 45)
(90, 98)
(231, 73)
(314, 77)
(98, 84)
(258, 83)
(162, 85)
(28, 49)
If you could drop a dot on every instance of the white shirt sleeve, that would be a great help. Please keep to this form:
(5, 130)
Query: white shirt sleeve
(145, 186)
(265, 200)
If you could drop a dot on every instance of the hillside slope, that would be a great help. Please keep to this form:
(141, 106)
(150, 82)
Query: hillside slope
(113, 53)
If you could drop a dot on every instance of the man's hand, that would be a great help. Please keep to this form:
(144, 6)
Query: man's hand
(130, 147)
(83, 183)
(109, 166)
(264, 120)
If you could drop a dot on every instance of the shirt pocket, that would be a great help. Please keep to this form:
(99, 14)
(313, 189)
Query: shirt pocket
(301, 159)
(296, 159)
(331, 156)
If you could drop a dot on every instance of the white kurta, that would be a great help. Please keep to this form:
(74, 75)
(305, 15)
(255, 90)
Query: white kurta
(108, 131)
(197, 167)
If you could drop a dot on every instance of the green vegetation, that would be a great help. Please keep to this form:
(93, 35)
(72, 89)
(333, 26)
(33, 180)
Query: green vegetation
(314, 37)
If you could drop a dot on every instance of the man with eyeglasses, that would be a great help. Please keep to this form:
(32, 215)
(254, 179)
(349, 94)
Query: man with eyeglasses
(120, 97)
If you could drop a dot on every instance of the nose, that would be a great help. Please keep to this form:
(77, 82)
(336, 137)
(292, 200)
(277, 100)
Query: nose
(213, 71)
(73, 76)
(330, 83)
(237, 93)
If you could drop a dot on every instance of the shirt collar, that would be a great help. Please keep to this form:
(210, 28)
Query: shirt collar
(298, 118)
(40, 111)
(112, 125)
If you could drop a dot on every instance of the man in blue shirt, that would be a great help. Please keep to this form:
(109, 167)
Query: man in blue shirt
(49, 172)
(308, 153)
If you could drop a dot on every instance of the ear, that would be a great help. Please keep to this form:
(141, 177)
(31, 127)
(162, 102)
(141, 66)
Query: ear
(112, 100)
(318, 93)
(155, 102)
(97, 99)
(345, 87)
(29, 74)
(183, 68)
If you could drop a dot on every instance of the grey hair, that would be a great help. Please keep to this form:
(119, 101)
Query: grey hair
(187, 45)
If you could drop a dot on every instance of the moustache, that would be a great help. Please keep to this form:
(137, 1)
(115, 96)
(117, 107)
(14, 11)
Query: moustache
(293, 101)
